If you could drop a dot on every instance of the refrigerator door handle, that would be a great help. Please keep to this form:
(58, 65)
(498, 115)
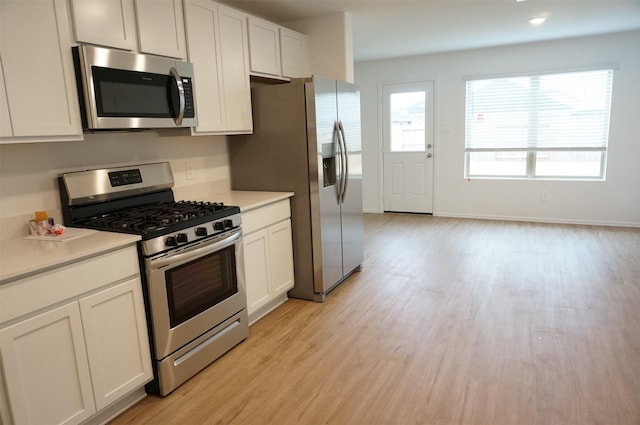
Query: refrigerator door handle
(345, 157)
(338, 142)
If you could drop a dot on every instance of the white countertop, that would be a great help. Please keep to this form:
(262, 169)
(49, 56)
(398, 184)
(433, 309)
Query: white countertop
(22, 257)
(248, 200)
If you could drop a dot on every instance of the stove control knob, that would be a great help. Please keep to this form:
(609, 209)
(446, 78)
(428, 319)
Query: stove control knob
(201, 231)
(228, 224)
(183, 238)
(218, 225)
(171, 241)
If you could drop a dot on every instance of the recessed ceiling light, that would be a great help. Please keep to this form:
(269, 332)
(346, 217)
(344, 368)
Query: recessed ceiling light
(537, 21)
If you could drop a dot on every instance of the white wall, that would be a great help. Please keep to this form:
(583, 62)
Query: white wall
(330, 39)
(615, 201)
(28, 172)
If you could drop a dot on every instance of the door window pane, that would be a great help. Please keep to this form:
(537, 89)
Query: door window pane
(408, 121)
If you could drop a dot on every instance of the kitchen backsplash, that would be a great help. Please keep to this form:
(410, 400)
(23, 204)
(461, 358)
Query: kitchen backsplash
(28, 172)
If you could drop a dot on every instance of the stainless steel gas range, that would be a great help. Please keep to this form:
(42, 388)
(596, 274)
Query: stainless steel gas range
(190, 257)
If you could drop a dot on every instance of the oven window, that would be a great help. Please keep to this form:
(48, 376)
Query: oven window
(200, 284)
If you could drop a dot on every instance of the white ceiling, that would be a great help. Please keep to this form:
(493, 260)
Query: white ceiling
(392, 28)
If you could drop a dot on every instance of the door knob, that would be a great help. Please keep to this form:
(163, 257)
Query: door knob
(429, 155)
(429, 146)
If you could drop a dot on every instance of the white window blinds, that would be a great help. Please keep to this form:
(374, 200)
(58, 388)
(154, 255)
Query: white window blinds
(568, 111)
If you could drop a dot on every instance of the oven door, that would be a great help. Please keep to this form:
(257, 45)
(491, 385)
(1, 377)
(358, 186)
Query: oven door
(193, 289)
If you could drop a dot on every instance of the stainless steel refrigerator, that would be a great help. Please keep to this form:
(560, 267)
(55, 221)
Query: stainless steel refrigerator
(306, 140)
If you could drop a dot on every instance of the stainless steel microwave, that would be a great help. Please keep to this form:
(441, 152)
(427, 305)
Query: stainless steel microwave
(123, 90)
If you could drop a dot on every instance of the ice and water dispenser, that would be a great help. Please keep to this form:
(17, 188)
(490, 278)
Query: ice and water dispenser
(329, 170)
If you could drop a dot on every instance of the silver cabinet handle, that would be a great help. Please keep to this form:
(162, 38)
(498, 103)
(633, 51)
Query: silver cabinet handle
(178, 80)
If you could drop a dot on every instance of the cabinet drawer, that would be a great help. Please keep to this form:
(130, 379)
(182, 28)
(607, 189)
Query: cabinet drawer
(30, 294)
(265, 216)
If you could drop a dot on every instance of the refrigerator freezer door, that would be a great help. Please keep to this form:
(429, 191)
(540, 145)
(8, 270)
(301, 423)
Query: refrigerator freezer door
(322, 123)
(348, 97)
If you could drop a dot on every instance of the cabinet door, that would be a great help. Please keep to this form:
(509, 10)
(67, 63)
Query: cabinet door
(280, 248)
(5, 118)
(264, 47)
(161, 27)
(204, 52)
(109, 23)
(235, 70)
(117, 342)
(294, 54)
(38, 70)
(46, 370)
(257, 269)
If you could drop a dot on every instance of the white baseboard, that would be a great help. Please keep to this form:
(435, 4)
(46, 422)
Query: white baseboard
(611, 223)
(541, 219)
(267, 308)
(110, 412)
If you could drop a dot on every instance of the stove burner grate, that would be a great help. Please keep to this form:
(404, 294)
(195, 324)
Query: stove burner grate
(155, 216)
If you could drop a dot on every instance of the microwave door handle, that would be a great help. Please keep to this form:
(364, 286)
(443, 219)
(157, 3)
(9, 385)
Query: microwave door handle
(178, 80)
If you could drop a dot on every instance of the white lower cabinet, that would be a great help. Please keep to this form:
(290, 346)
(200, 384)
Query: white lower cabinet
(257, 269)
(268, 257)
(117, 345)
(46, 368)
(281, 257)
(67, 355)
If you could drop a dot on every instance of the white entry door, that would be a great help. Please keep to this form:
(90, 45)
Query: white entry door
(407, 116)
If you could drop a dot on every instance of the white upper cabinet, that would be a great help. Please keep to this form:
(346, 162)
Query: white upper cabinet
(277, 52)
(38, 100)
(264, 47)
(294, 54)
(161, 27)
(147, 26)
(235, 70)
(203, 41)
(110, 23)
(217, 47)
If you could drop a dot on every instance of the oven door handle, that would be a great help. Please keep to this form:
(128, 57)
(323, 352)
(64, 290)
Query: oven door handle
(192, 253)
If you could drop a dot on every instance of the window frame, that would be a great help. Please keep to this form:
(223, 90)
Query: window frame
(532, 150)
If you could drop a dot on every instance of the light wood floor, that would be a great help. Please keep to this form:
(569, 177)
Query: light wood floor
(451, 321)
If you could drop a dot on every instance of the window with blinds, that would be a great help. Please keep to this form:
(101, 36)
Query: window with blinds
(538, 126)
